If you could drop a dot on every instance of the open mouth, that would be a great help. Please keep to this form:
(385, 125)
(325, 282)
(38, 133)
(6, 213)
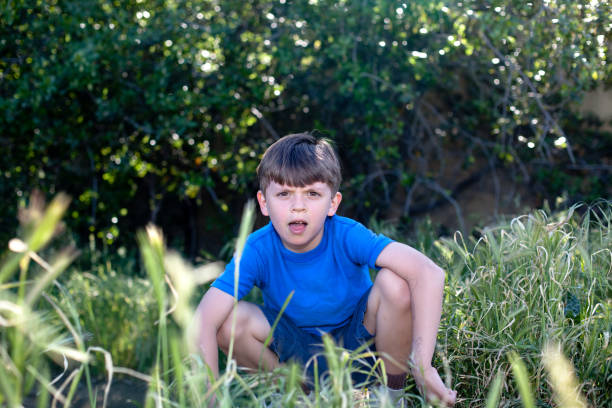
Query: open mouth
(297, 227)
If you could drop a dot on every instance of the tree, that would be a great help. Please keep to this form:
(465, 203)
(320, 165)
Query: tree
(137, 108)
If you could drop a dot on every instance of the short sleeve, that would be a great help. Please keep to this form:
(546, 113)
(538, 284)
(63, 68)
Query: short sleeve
(363, 246)
(248, 272)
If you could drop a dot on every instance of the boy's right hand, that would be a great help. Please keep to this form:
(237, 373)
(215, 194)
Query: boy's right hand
(431, 385)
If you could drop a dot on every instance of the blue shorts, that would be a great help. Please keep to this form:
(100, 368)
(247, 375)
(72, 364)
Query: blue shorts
(291, 343)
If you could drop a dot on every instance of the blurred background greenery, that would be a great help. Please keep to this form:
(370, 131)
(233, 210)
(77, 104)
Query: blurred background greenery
(159, 110)
(446, 116)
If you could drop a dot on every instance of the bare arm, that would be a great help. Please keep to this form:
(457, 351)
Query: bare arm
(426, 282)
(213, 310)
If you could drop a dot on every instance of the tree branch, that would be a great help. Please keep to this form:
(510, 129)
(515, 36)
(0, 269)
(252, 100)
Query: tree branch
(532, 88)
(264, 122)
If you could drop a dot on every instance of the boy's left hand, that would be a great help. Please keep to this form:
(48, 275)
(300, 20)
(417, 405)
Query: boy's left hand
(431, 385)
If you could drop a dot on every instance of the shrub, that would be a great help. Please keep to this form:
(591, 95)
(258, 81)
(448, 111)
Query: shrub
(161, 110)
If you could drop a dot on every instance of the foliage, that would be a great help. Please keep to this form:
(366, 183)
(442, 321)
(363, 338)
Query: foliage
(508, 291)
(138, 106)
(504, 310)
(28, 334)
(117, 313)
(505, 332)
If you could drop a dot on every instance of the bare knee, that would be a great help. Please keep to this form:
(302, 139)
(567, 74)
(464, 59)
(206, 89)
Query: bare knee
(225, 332)
(250, 324)
(395, 291)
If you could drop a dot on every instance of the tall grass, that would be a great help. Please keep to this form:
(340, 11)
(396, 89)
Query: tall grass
(538, 279)
(27, 337)
(526, 322)
(509, 294)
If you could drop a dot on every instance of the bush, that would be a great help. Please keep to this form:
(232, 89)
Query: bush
(159, 111)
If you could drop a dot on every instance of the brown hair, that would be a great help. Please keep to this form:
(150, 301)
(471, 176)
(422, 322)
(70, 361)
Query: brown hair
(298, 160)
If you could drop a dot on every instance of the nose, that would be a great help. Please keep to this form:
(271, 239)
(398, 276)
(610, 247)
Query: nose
(297, 204)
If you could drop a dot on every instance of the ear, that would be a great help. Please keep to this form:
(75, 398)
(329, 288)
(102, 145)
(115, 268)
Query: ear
(335, 202)
(261, 199)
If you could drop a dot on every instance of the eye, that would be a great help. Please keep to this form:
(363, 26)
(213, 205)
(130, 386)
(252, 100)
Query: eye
(283, 194)
(313, 194)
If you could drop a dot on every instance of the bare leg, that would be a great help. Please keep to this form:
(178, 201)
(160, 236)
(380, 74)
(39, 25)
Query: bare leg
(388, 316)
(251, 330)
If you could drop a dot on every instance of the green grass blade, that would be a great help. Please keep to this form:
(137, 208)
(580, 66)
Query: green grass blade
(10, 265)
(9, 393)
(246, 225)
(64, 259)
(522, 379)
(278, 316)
(178, 370)
(46, 227)
(495, 391)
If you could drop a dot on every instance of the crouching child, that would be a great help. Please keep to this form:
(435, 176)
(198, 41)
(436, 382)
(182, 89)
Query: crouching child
(324, 260)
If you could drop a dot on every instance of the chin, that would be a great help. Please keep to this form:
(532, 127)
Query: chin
(298, 246)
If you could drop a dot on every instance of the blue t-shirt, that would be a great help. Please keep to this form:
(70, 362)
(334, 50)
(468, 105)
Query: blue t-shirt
(328, 280)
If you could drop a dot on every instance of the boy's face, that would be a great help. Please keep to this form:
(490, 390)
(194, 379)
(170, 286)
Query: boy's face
(298, 213)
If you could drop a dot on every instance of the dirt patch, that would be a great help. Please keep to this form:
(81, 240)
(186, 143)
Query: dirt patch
(123, 393)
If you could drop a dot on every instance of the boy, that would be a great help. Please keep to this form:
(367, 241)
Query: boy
(324, 259)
